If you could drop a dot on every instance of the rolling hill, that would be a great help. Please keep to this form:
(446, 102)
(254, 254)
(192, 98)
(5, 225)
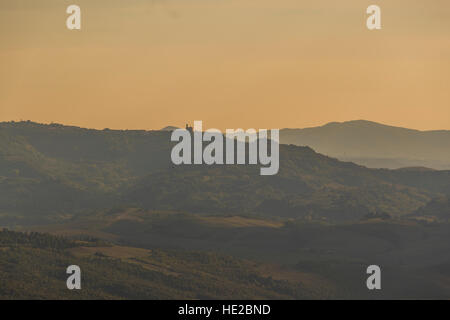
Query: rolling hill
(54, 171)
(321, 260)
(33, 266)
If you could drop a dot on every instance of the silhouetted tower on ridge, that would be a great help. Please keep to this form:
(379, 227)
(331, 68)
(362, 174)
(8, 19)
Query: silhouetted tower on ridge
(190, 129)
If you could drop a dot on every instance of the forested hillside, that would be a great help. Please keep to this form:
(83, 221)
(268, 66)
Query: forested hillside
(33, 266)
(54, 171)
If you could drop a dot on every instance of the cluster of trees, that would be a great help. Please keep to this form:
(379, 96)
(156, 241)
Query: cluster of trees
(34, 240)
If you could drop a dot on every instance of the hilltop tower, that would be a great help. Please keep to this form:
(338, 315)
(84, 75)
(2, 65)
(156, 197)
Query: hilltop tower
(190, 129)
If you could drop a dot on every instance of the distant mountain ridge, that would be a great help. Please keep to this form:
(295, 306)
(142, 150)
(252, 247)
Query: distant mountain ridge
(375, 145)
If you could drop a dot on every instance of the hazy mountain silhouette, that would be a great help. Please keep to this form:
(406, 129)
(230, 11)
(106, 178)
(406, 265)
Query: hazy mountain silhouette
(375, 145)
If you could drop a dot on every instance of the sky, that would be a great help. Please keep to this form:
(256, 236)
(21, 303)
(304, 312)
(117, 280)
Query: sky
(147, 64)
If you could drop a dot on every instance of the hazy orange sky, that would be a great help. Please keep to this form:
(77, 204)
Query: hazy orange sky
(143, 64)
